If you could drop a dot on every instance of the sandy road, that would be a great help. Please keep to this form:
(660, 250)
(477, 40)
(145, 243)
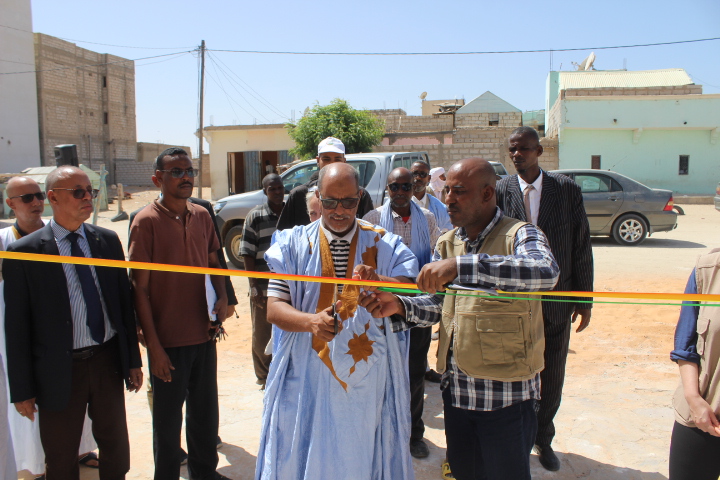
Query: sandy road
(616, 417)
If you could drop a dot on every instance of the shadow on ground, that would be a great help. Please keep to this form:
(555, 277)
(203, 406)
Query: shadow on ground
(648, 243)
(575, 466)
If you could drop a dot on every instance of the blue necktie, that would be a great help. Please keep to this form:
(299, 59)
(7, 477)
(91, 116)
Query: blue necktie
(95, 316)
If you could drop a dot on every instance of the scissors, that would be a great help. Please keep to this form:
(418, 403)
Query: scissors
(334, 313)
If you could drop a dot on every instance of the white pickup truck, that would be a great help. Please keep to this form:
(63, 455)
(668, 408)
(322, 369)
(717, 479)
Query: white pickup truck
(372, 167)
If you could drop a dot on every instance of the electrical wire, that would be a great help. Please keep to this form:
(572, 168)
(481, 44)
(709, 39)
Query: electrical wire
(97, 43)
(238, 91)
(231, 100)
(489, 52)
(97, 64)
(262, 99)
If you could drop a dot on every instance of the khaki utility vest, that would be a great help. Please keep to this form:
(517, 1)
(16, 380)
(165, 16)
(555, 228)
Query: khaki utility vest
(707, 276)
(495, 339)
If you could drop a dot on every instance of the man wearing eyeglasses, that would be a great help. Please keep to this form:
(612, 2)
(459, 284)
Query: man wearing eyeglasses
(418, 229)
(175, 318)
(337, 393)
(73, 333)
(330, 150)
(27, 201)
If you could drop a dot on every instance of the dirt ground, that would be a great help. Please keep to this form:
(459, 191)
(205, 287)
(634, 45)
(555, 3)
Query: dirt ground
(616, 416)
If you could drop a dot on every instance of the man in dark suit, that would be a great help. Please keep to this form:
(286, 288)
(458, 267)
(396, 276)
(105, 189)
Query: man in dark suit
(71, 333)
(554, 203)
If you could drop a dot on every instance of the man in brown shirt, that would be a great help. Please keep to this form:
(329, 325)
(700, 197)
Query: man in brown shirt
(175, 319)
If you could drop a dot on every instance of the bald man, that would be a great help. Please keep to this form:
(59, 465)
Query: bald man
(337, 395)
(490, 351)
(73, 333)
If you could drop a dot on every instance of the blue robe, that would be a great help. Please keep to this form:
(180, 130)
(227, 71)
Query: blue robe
(439, 209)
(338, 410)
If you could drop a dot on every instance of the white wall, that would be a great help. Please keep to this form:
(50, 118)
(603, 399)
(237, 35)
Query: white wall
(19, 133)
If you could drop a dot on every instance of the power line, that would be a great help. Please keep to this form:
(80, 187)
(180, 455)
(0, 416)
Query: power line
(262, 99)
(489, 52)
(218, 69)
(97, 64)
(218, 82)
(97, 43)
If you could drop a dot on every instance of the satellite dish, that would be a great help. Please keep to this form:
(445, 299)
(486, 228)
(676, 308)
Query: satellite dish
(423, 95)
(587, 64)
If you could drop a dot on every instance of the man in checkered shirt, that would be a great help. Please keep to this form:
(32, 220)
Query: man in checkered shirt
(491, 351)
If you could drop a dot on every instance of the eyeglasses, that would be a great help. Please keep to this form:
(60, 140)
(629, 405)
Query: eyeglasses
(332, 203)
(420, 173)
(394, 187)
(28, 197)
(180, 173)
(79, 193)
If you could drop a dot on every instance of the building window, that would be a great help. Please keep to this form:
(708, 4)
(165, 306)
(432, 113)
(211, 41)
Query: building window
(684, 164)
(494, 120)
(104, 81)
(595, 162)
(105, 118)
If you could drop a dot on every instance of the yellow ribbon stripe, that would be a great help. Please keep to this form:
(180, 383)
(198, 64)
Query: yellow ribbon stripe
(161, 267)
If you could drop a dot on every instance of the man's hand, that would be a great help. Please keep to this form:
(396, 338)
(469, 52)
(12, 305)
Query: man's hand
(160, 364)
(136, 380)
(381, 304)
(585, 314)
(27, 408)
(435, 275)
(365, 272)
(220, 309)
(322, 324)
(230, 311)
(703, 416)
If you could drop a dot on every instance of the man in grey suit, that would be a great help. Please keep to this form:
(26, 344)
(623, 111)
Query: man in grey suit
(554, 203)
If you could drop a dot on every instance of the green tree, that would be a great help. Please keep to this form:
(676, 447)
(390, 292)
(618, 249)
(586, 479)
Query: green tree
(359, 130)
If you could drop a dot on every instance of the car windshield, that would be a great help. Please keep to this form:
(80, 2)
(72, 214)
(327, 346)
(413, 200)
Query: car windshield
(301, 175)
(499, 169)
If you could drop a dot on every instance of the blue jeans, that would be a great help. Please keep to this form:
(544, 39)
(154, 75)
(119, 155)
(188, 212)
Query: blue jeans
(490, 445)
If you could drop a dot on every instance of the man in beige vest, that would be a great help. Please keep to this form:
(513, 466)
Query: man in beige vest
(491, 350)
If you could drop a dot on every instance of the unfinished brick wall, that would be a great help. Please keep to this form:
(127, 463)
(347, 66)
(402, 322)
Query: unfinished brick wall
(506, 119)
(615, 91)
(87, 99)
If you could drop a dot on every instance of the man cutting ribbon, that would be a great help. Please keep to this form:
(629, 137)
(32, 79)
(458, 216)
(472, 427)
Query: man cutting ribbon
(335, 405)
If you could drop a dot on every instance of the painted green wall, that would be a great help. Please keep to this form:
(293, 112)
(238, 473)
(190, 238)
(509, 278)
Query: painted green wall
(654, 160)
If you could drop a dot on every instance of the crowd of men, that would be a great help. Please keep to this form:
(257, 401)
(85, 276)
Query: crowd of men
(343, 367)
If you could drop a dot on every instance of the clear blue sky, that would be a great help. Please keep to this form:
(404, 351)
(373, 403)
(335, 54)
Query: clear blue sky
(167, 90)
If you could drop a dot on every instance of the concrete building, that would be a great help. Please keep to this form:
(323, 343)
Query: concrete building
(433, 107)
(479, 128)
(19, 140)
(85, 98)
(241, 155)
(653, 126)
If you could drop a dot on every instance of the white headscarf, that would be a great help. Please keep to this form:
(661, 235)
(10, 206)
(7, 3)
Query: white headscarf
(435, 183)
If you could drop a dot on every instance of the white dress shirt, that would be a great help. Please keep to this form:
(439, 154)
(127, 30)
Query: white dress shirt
(535, 195)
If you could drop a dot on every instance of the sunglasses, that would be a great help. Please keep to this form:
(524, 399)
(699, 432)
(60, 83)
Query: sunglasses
(394, 187)
(79, 193)
(180, 173)
(28, 197)
(421, 174)
(332, 203)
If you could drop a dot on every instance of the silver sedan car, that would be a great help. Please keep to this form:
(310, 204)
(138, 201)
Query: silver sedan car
(622, 208)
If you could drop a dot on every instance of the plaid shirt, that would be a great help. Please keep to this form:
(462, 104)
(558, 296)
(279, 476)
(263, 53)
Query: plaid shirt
(532, 268)
(404, 230)
(260, 223)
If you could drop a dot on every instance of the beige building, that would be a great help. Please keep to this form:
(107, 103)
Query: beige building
(87, 99)
(433, 107)
(241, 155)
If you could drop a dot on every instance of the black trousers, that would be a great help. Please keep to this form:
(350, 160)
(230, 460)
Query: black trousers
(261, 334)
(557, 342)
(194, 381)
(694, 454)
(417, 363)
(492, 445)
(97, 385)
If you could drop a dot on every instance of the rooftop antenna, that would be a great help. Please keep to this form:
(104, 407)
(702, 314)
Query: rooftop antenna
(423, 95)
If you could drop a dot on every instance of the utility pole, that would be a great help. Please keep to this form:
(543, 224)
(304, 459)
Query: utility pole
(200, 131)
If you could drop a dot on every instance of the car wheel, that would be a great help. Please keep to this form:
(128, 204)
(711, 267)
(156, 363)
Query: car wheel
(630, 230)
(232, 246)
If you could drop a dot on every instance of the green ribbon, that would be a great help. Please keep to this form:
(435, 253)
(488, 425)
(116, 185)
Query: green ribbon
(481, 295)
